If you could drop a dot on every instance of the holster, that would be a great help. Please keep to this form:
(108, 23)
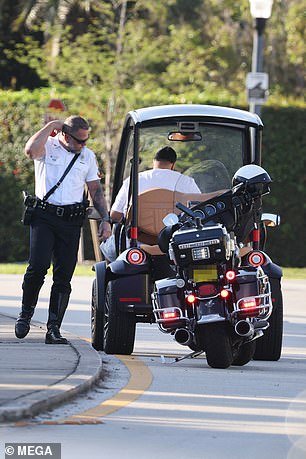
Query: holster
(30, 203)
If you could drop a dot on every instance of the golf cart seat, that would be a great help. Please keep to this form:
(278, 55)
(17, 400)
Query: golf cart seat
(153, 205)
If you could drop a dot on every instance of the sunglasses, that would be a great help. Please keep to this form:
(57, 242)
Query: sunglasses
(80, 141)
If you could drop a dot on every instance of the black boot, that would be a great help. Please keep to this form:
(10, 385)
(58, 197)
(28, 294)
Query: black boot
(57, 307)
(53, 336)
(22, 325)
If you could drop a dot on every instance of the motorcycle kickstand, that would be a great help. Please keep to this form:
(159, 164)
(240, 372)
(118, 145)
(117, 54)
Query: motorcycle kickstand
(192, 355)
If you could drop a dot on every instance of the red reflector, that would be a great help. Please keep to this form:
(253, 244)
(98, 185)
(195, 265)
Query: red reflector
(256, 258)
(224, 293)
(135, 256)
(207, 290)
(134, 233)
(190, 298)
(130, 300)
(256, 235)
(230, 275)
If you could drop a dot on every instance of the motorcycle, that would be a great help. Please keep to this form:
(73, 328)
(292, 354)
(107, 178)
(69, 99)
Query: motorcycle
(218, 300)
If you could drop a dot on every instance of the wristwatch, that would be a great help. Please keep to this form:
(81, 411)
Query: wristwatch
(107, 219)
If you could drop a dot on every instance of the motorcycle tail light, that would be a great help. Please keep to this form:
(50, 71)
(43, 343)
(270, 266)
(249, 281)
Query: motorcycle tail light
(250, 303)
(135, 256)
(250, 307)
(170, 314)
(230, 276)
(190, 299)
(207, 290)
(224, 293)
(256, 258)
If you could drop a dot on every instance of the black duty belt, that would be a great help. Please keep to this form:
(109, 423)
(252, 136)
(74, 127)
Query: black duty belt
(67, 212)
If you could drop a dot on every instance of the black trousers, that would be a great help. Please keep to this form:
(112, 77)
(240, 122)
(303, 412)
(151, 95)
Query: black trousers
(51, 240)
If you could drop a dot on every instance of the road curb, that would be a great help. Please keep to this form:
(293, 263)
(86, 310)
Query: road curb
(87, 372)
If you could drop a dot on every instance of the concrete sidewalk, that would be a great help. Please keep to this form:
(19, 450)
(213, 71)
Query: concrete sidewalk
(35, 377)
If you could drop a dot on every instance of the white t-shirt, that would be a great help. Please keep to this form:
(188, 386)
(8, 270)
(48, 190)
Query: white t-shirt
(50, 168)
(155, 178)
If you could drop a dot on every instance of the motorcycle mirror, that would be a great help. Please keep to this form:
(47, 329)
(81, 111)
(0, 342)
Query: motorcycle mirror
(170, 219)
(270, 219)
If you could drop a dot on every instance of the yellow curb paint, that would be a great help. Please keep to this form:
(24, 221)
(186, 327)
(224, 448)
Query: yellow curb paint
(140, 380)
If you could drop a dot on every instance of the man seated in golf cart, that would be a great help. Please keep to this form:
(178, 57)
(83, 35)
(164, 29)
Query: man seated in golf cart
(161, 176)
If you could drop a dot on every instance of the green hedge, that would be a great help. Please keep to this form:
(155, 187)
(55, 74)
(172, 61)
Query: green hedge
(284, 151)
(284, 157)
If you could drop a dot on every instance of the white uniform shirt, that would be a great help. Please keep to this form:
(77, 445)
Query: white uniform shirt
(155, 178)
(50, 168)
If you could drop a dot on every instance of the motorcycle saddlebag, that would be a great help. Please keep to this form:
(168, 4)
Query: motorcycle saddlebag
(246, 284)
(166, 293)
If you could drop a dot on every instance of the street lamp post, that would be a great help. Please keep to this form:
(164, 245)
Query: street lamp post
(260, 11)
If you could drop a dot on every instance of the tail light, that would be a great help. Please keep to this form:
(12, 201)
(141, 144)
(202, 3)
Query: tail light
(256, 258)
(207, 290)
(190, 298)
(136, 256)
(224, 293)
(250, 303)
(250, 306)
(230, 276)
(170, 313)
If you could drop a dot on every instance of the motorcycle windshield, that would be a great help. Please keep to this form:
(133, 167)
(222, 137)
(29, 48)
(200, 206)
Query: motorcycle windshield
(209, 176)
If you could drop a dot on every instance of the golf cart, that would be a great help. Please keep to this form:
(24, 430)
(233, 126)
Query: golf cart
(212, 143)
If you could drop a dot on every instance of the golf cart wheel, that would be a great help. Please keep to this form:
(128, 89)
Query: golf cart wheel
(97, 320)
(269, 346)
(119, 326)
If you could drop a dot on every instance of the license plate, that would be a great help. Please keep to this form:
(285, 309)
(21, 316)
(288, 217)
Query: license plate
(205, 274)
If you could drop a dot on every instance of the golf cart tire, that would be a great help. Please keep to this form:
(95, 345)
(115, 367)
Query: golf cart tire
(119, 326)
(269, 346)
(97, 320)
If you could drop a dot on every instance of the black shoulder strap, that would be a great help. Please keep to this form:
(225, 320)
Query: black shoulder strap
(62, 177)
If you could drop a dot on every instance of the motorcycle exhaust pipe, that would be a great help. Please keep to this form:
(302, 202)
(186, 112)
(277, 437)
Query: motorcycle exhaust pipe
(183, 336)
(244, 328)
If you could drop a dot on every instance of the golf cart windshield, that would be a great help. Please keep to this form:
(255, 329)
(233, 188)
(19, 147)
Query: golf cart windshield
(203, 142)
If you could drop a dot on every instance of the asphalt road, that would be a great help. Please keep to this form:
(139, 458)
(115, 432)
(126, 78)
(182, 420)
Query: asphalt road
(160, 409)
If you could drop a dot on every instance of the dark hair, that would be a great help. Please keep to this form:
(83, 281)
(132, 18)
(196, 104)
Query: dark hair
(74, 123)
(166, 154)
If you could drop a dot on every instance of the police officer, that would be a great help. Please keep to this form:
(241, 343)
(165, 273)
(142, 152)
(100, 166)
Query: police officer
(56, 223)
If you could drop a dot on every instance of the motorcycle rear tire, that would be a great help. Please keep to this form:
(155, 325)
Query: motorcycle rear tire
(269, 346)
(218, 345)
(119, 326)
(244, 354)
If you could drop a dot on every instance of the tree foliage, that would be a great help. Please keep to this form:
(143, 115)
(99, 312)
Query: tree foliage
(174, 44)
(105, 57)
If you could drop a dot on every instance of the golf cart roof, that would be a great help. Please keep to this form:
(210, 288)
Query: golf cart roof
(211, 112)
